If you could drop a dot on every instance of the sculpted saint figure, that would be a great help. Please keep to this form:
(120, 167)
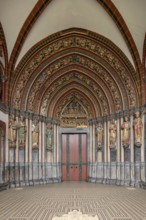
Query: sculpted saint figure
(99, 135)
(48, 137)
(21, 132)
(137, 125)
(112, 134)
(12, 131)
(125, 132)
(35, 134)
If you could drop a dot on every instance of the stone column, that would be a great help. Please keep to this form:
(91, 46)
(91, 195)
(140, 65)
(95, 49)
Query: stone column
(55, 144)
(30, 149)
(90, 166)
(17, 147)
(54, 165)
(132, 152)
(108, 155)
(122, 164)
(93, 142)
(43, 155)
(40, 141)
(26, 141)
(118, 150)
(43, 143)
(16, 155)
(99, 156)
(58, 146)
(7, 149)
(99, 164)
(58, 160)
(108, 148)
(6, 140)
(105, 148)
(40, 150)
(143, 177)
(118, 140)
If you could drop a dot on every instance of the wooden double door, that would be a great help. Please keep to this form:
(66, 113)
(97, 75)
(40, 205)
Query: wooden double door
(74, 157)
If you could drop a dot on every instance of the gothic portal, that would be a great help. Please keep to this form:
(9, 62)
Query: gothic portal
(72, 104)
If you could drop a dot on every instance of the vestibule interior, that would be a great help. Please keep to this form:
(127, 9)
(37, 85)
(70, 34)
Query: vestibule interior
(72, 92)
(74, 115)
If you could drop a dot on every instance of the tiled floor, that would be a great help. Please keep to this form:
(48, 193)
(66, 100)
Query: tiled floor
(43, 202)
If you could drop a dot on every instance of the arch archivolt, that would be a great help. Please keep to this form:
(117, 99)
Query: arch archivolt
(93, 99)
(79, 59)
(73, 109)
(88, 83)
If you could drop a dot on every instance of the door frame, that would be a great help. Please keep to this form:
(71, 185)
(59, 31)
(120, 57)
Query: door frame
(75, 131)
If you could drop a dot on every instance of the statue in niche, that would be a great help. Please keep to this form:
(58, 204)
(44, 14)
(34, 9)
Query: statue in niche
(99, 135)
(137, 125)
(125, 132)
(21, 132)
(35, 134)
(48, 135)
(12, 131)
(112, 134)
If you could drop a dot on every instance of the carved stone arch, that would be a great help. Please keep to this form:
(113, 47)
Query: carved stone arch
(72, 50)
(94, 107)
(70, 79)
(2, 135)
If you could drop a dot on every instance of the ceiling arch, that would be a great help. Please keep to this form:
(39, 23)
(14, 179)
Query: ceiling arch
(42, 5)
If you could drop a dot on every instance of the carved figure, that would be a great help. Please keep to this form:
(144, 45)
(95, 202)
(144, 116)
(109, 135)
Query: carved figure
(99, 135)
(48, 137)
(12, 131)
(112, 134)
(137, 125)
(21, 132)
(125, 132)
(35, 134)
